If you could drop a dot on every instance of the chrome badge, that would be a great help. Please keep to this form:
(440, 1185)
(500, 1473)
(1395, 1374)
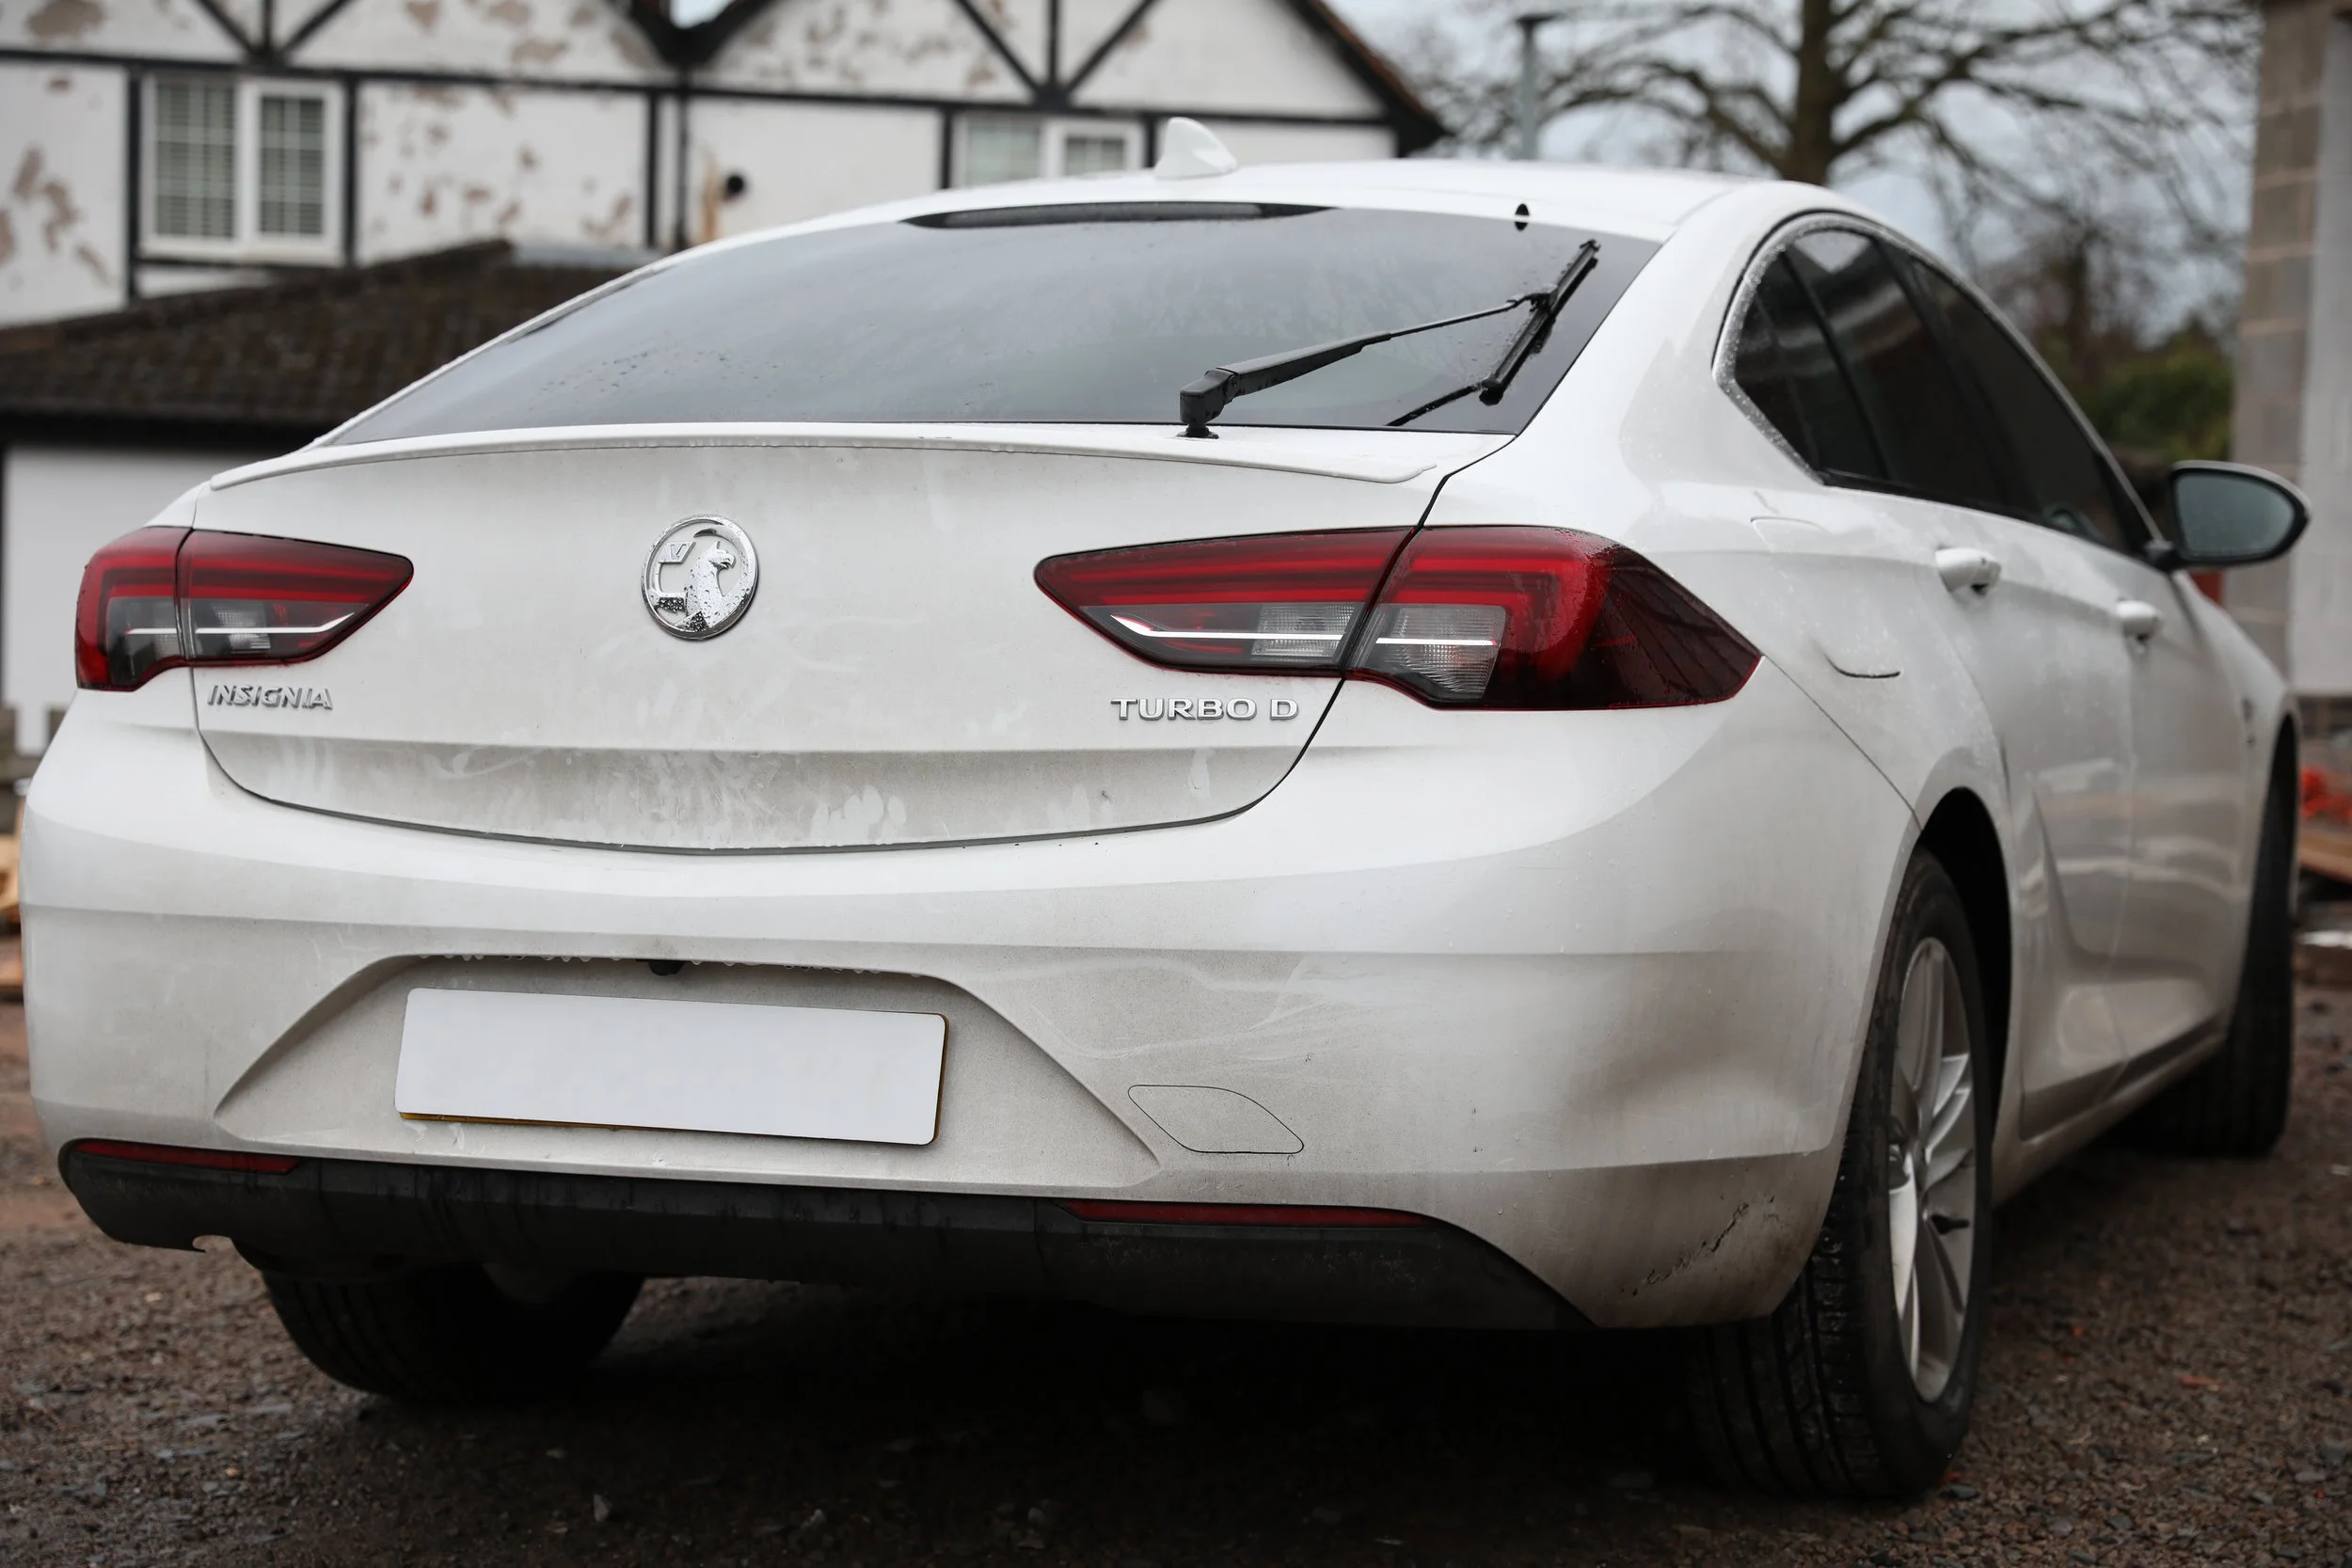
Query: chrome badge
(700, 577)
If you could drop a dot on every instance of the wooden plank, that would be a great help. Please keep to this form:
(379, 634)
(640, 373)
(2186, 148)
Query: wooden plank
(2326, 849)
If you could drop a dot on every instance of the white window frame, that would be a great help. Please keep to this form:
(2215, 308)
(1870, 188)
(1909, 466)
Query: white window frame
(1053, 136)
(249, 244)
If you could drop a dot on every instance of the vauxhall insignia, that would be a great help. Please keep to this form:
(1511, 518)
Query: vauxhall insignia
(700, 577)
(270, 696)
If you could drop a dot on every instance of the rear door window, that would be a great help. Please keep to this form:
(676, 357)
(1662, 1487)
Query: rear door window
(2069, 484)
(1932, 441)
(1786, 369)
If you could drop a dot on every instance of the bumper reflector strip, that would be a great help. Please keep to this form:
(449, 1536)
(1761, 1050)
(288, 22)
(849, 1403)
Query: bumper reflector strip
(168, 1154)
(1122, 1212)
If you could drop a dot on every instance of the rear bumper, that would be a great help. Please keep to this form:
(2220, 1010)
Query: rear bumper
(1588, 988)
(369, 1214)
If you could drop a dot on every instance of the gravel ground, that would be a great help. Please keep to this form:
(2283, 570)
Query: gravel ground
(2166, 1383)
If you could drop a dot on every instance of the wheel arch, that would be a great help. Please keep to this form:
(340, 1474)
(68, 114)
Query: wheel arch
(1961, 836)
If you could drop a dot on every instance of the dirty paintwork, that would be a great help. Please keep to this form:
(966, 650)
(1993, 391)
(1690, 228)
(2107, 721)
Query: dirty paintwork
(887, 686)
(1590, 985)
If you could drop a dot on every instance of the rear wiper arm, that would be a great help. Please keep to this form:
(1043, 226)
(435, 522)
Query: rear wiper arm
(1523, 347)
(1206, 398)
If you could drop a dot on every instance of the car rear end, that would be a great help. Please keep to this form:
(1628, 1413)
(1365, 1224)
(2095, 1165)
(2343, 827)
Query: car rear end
(1025, 848)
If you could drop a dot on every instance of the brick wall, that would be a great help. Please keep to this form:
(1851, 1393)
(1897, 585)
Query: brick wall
(2274, 329)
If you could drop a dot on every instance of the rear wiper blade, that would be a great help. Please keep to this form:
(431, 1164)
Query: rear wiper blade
(1524, 346)
(1206, 398)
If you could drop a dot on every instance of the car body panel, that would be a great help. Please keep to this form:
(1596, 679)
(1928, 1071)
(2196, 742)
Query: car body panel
(1649, 444)
(901, 680)
(1470, 1013)
(1590, 987)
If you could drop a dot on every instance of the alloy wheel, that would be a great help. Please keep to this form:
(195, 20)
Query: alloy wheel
(1931, 1168)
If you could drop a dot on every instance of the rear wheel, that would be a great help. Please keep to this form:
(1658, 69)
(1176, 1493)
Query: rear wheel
(1860, 1383)
(459, 1333)
(2236, 1103)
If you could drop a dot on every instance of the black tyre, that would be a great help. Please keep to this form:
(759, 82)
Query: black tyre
(2236, 1102)
(453, 1335)
(1860, 1383)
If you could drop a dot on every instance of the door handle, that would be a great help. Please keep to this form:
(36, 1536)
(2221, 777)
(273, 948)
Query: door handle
(2138, 619)
(1966, 568)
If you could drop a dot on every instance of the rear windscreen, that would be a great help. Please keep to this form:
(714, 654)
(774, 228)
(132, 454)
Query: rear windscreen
(1045, 315)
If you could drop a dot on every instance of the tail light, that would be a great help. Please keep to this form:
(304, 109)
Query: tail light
(163, 598)
(1278, 602)
(1460, 617)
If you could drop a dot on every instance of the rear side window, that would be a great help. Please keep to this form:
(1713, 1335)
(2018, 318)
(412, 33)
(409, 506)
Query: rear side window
(1786, 369)
(2069, 484)
(1933, 442)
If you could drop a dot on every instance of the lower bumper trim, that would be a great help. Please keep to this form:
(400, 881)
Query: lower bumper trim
(343, 1213)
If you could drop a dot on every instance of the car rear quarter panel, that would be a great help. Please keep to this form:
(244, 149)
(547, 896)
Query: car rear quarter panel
(1641, 445)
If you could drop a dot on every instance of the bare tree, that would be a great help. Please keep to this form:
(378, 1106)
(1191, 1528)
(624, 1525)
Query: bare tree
(2117, 114)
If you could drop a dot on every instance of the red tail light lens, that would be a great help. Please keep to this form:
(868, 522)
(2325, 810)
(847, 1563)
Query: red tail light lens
(126, 626)
(1464, 617)
(1274, 603)
(163, 598)
(1545, 618)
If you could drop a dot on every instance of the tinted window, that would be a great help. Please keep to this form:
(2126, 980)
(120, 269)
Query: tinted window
(2067, 482)
(1045, 315)
(1786, 368)
(1932, 441)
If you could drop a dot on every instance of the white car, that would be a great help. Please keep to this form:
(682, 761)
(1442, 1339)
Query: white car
(936, 746)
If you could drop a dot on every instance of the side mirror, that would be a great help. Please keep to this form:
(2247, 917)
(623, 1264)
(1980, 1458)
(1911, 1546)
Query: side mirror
(2225, 515)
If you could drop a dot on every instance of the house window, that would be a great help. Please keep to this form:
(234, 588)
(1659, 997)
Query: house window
(992, 149)
(196, 160)
(241, 170)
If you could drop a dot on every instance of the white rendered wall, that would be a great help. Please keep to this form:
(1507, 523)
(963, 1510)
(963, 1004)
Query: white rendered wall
(442, 165)
(803, 159)
(1085, 26)
(58, 505)
(2319, 613)
(570, 39)
(1025, 26)
(1233, 54)
(926, 48)
(62, 241)
(171, 30)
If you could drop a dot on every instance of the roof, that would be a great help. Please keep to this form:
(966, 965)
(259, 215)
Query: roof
(1647, 204)
(281, 361)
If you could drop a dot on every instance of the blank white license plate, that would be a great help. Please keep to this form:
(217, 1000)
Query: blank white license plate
(688, 1066)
